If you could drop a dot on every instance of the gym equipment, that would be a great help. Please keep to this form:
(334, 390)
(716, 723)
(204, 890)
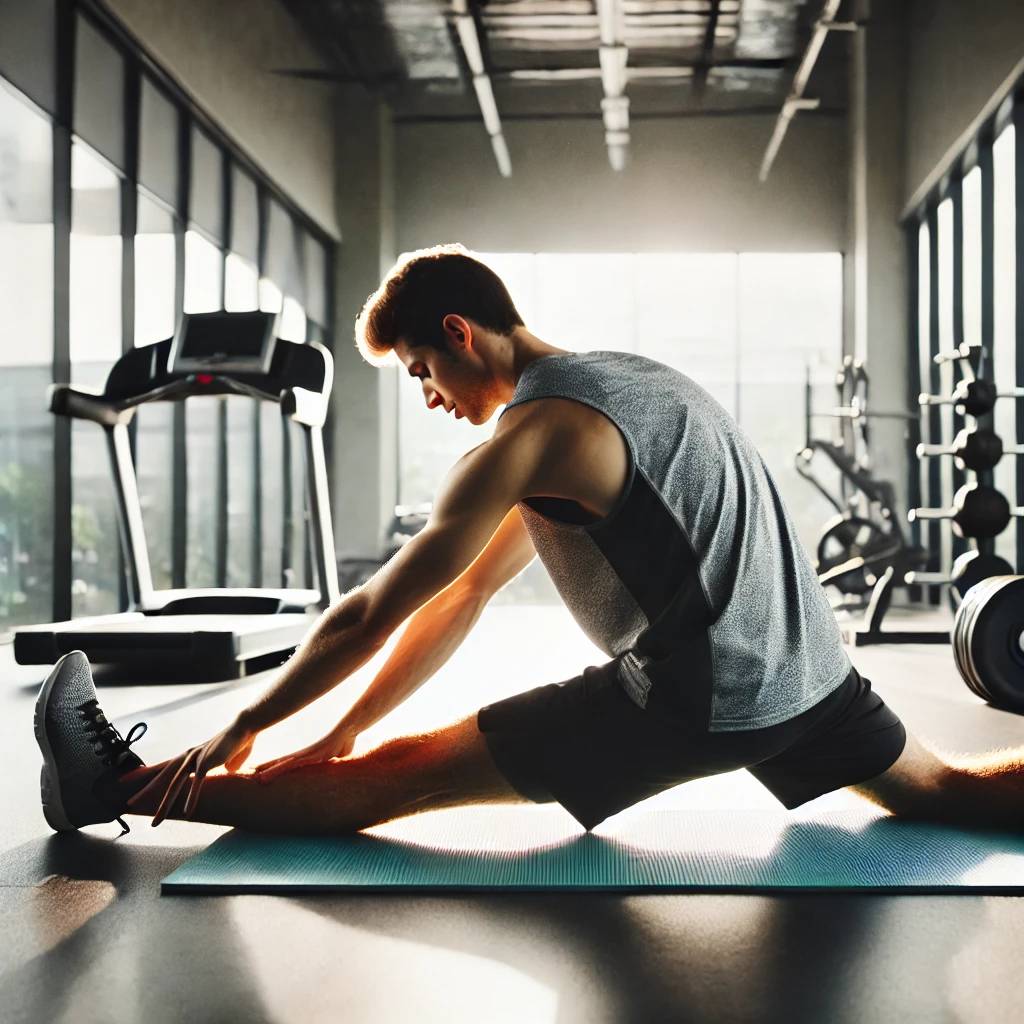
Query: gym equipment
(987, 636)
(217, 632)
(978, 449)
(978, 511)
(864, 538)
(968, 571)
(540, 849)
(971, 397)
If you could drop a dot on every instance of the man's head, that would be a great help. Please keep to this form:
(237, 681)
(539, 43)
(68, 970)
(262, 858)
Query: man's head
(449, 319)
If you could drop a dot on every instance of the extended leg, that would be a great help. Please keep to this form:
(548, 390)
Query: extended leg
(447, 768)
(981, 790)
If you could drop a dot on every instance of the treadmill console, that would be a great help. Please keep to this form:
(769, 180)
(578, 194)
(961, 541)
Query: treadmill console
(223, 343)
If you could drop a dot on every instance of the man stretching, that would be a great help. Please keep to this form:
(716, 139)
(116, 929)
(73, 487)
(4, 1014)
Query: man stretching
(667, 539)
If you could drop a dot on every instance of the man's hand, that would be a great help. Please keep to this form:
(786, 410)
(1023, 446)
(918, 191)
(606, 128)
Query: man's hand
(230, 748)
(337, 743)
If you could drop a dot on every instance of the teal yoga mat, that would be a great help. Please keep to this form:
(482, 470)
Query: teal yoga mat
(542, 849)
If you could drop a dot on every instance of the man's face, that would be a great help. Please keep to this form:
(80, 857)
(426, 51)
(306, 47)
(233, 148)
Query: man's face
(457, 381)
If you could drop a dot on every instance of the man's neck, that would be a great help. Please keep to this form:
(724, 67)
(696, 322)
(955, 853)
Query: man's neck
(526, 348)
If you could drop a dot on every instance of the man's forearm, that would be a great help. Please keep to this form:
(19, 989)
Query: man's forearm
(341, 642)
(432, 636)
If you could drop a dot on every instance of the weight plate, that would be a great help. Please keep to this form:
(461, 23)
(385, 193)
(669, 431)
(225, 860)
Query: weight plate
(847, 537)
(973, 602)
(993, 643)
(979, 596)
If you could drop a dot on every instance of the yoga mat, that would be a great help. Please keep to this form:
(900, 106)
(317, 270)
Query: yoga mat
(542, 849)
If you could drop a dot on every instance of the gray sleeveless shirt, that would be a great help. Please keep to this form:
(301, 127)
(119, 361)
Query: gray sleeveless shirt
(696, 581)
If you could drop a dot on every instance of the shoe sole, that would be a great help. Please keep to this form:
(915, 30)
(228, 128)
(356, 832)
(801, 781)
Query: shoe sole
(49, 783)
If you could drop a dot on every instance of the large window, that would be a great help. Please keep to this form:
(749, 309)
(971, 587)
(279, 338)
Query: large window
(105, 239)
(748, 327)
(26, 360)
(1004, 340)
(95, 337)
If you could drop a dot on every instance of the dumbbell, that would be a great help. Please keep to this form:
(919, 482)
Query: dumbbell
(977, 449)
(968, 571)
(971, 397)
(978, 511)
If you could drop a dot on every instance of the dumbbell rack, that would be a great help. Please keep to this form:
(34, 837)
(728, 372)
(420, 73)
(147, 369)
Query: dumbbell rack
(979, 511)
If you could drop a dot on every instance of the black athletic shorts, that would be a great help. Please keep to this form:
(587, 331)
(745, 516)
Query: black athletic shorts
(586, 745)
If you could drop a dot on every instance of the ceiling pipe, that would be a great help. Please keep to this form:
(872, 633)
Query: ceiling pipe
(796, 101)
(465, 27)
(614, 55)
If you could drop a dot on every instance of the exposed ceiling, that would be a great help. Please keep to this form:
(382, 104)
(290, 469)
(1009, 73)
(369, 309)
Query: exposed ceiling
(605, 59)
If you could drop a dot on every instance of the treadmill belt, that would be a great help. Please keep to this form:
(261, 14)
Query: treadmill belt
(542, 849)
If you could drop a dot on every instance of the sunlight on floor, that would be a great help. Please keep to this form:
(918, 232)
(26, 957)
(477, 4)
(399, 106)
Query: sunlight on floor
(428, 983)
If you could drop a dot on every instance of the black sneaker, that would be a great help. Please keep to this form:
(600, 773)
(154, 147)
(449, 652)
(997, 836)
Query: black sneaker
(83, 754)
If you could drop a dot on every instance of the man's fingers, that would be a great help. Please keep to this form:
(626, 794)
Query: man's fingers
(159, 782)
(179, 780)
(287, 764)
(197, 784)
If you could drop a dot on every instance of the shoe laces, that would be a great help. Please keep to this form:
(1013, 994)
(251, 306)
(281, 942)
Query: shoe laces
(107, 743)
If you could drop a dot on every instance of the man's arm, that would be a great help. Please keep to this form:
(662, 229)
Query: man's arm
(430, 638)
(472, 502)
(471, 505)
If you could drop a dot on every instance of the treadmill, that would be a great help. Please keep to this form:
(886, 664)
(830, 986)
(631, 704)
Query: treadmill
(219, 633)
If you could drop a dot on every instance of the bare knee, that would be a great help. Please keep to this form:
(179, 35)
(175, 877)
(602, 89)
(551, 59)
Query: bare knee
(919, 785)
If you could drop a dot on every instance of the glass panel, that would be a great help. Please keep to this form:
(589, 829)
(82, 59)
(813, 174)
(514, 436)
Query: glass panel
(154, 273)
(790, 312)
(154, 456)
(972, 256)
(316, 281)
(245, 216)
(1004, 341)
(293, 321)
(282, 265)
(158, 144)
(95, 329)
(295, 575)
(701, 344)
(99, 92)
(270, 296)
(586, 302)
(272, 476)
(201, 453)
(206, 204)
(924, 360)
(243, 420)
(944, 216)
(204, 264)
(27, 48)
(241, 284)
(154, 321)
(26, 358)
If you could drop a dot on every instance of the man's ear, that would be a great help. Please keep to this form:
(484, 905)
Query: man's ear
(459, 332)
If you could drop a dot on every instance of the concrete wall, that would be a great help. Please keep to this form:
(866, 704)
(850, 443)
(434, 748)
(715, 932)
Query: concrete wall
(959, 56)
(876, 278)
(222, 52)
(691, 185)
(363, 428)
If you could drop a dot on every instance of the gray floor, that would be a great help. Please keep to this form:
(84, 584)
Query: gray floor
(96, 942)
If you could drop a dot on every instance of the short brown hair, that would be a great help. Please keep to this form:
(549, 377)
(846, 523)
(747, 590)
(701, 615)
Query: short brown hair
(421, 290)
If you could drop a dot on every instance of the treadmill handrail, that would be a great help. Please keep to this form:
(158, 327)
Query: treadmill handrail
(65, 400)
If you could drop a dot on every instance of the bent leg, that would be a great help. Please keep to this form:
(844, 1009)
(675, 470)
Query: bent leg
(447, 768)
(980, 790)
